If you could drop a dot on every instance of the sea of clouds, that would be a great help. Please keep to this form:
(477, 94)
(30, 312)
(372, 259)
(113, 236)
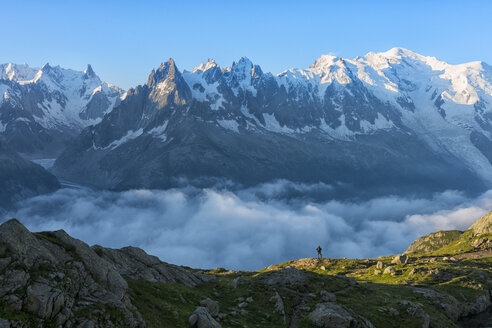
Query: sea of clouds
(250, 228)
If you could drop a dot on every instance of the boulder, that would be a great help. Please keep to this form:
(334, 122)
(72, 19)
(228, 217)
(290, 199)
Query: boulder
(400, 259)
(416, 310)
(389, 270)
(287, 276)
(327, 296)
(13, 280)
(44, 300)
(201, 318)
(380, 265)
(14, 301)
(377, 272)
(62, 317)
(331, 315)
(435, 273)
(237, 281)
(102, 271)
(211, 305)
(278, 306)
(393, 312)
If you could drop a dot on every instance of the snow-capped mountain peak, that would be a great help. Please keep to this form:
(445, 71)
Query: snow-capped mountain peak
(51, 99)
(167, 85)
(15, 72)
(167, 70)
(210, 63)
(398, 52)
(324, 61)
(244, 65)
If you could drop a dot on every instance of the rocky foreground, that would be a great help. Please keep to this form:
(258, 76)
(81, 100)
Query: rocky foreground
(49, 279)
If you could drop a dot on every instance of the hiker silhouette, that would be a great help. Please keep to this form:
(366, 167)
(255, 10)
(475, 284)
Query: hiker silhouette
(318, 249)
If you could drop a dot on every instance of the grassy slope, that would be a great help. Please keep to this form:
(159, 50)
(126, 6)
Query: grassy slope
(375, 297)
(382, 299)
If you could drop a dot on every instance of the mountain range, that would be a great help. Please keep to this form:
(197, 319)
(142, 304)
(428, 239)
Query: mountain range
(392, 122)
(41, 108)
(389, 122)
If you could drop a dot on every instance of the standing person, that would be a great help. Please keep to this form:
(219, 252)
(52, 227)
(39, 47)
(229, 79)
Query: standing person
(319, 252)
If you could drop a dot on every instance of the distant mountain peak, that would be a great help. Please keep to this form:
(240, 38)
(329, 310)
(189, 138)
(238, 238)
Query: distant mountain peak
(243, 63)
(46, 67)
(399, 52)
(324, 61)
(166, 71)
(168, 85)
(210, 63)
(89, 72)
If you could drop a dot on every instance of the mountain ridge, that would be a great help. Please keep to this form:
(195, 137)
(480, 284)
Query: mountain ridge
(21, 179)
(40, 108)
(440, 112)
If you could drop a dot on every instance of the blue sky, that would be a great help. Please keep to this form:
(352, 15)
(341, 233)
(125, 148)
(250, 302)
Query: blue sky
(124, 40)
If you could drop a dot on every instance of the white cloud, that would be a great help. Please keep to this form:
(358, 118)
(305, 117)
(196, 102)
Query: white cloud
(250, 228)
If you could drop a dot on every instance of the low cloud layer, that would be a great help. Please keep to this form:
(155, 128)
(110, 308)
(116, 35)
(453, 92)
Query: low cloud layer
(247, 229)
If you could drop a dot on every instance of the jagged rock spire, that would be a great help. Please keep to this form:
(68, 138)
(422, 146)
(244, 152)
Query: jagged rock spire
(89, 72)
(167, 85)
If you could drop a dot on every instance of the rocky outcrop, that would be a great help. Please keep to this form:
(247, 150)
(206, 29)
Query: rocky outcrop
(53, 277)
(137, 264)
(483, 225)
(454, 309)
(416, 310)
(202, 318)
(278, 305)
(286, 276)
(327, 296)
(477, 236)
(331, 315)
(433, 241)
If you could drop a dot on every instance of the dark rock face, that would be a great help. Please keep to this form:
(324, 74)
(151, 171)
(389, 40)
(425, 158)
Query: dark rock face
(21, 179)
(52, 277)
